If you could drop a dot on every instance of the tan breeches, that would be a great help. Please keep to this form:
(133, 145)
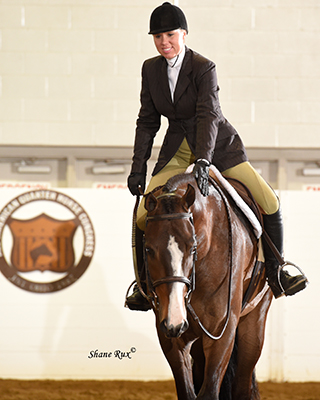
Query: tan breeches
(244, 172)
(261, 191)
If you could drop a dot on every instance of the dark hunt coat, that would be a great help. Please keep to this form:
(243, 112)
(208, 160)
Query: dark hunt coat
(195, 114)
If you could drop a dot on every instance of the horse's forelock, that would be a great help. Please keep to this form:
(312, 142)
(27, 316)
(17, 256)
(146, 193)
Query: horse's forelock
(171, 186)
(168, 204)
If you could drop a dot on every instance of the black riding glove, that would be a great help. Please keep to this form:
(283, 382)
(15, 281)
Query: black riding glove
(201, 173)
(136, 179)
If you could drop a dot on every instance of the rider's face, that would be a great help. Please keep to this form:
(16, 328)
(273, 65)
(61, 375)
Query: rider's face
(170, 44)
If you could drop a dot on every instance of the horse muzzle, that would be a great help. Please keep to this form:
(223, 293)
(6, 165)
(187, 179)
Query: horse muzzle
(173, 331)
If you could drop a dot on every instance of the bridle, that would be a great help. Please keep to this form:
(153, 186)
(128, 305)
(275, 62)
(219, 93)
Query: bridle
(189, 282)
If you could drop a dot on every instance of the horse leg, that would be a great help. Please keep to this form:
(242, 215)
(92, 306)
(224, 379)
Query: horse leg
(251, 330)
(177, 354)
(198, 364)
(217, 354)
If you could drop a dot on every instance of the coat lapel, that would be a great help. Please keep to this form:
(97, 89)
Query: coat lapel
(163, 80)
(183, 78)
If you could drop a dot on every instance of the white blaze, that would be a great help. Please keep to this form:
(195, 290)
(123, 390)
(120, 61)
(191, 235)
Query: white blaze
(177, 310)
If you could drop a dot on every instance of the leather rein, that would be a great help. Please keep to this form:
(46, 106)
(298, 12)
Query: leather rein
(190, 283)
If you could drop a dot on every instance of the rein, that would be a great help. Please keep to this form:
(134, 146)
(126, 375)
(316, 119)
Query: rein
(189, 306)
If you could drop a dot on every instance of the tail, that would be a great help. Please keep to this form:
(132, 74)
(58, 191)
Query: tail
(226, 387)
(255, 395)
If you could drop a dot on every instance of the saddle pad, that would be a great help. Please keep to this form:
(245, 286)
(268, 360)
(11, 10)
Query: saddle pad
(257, 228)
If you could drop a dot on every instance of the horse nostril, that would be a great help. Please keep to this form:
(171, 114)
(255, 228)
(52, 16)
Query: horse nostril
(172, 331)
(163, 326)
(185, 325)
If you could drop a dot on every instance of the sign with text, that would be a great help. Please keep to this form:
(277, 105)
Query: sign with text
(46, 241)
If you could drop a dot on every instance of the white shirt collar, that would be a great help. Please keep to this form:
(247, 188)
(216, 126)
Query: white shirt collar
(177, 60)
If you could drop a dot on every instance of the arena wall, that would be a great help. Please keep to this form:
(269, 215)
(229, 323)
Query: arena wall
(84, 332)
(70, 69)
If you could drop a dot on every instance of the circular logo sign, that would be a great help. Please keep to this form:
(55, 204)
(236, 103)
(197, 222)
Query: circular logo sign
(46, 241)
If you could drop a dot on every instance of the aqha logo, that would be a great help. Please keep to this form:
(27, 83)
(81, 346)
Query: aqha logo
(47, 241)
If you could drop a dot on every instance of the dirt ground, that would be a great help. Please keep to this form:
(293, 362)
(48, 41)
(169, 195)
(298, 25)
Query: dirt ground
(134, 390)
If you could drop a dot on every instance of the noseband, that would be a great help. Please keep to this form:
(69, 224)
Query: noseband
(190, 283)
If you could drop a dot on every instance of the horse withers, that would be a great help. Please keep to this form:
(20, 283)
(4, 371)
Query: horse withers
(199, 258)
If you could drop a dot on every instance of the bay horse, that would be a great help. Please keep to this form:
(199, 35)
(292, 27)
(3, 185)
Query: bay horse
(199, 257)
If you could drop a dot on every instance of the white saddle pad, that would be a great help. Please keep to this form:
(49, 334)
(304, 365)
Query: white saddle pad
(237, 198)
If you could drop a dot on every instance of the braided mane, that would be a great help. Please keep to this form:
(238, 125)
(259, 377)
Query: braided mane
(167, 192)
(173, 183)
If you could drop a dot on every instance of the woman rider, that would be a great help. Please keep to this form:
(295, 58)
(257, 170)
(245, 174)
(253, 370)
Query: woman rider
(181, 85)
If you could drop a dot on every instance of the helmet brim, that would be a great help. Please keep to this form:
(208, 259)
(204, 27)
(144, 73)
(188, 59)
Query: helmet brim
(162, 30)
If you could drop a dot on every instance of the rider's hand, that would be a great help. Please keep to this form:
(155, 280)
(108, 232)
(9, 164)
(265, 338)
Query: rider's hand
(201, 173)
(136, 179)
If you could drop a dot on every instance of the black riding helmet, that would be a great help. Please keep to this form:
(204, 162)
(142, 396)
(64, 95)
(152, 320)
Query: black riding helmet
(167, 17)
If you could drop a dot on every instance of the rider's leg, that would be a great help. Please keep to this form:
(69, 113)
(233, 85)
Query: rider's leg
(136, 301)
(178, 164)
(273, 225)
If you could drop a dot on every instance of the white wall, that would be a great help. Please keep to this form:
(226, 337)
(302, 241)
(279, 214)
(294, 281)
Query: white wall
(70, 69)
(292, 350)
(51, 335)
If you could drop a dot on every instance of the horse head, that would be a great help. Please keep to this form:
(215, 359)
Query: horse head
(170, 253)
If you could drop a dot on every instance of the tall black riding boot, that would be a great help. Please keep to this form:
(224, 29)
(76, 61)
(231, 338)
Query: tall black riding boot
(273, 225)
(137, 301)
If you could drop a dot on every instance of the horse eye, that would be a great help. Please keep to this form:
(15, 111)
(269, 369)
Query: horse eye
(149, 252)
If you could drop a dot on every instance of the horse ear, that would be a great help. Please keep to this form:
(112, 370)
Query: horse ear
(189, 197)
(150, 202)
